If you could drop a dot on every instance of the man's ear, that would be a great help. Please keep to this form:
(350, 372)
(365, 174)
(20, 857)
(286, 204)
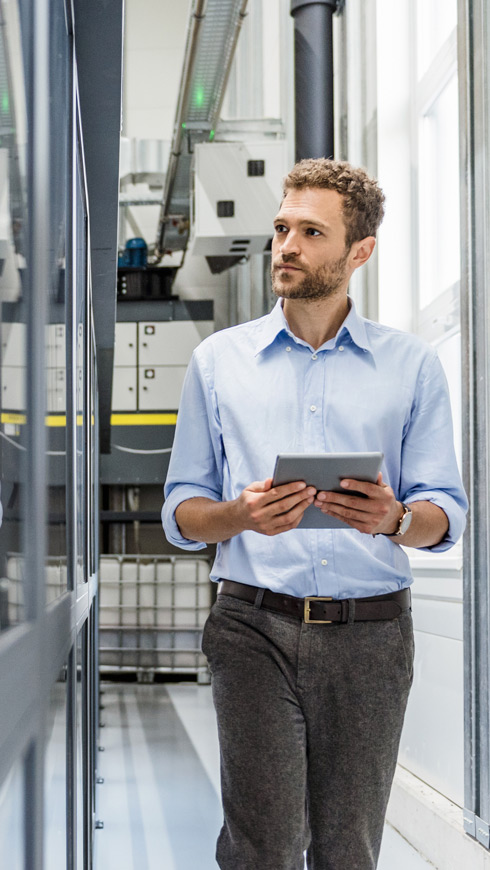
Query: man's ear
(361, 251)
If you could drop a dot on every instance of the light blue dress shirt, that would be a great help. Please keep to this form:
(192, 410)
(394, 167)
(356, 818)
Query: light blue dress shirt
(256, 390)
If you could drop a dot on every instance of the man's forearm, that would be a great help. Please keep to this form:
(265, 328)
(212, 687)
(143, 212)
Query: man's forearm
(202, 519)
(260, 507)
(428, 527)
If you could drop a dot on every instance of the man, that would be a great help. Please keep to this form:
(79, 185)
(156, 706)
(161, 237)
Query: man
(310, 714)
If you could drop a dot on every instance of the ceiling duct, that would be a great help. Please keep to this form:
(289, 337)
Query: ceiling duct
(212, 35)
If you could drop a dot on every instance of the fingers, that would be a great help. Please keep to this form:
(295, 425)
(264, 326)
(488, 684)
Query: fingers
(372, 490)
(330, 500)
(274, 510)
(369, 509)
(260, 485)
(362, 522)
(278, 492)
(286, 510)
(284, 522)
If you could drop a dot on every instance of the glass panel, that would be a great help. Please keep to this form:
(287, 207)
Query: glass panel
(13, 326)
(93, 459)
(486, 37)
(55, 779)
(12, 819)
(439, 195)
(79, 750)
(56, 572)
(80, 308)
(435, 21)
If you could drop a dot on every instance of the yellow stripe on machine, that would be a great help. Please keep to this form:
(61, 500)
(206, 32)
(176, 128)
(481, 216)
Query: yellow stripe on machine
(59, 420)
(143, 419)
(16, 419)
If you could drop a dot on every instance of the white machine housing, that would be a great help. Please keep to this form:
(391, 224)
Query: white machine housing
(150, 362)
(223, 183)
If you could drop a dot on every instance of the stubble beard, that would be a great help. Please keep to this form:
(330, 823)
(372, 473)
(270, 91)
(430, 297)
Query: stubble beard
(320, 283)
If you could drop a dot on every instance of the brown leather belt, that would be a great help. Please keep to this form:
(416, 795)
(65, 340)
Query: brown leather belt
(321, 610)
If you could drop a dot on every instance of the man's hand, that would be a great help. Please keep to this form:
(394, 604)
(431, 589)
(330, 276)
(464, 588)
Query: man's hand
(260, 508)
(379, 513)
(272, 510)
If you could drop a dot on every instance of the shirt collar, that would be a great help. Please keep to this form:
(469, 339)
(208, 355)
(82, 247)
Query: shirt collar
(275, 323)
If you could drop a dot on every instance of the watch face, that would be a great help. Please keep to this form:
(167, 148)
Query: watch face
(405, 522)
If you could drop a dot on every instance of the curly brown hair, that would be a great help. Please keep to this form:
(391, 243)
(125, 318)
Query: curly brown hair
(363, 208)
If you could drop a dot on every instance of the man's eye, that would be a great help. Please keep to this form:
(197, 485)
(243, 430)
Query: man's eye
(280, 228)
(312, 231)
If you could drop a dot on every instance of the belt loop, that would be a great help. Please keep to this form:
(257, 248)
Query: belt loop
(352, 610)
(258, 598)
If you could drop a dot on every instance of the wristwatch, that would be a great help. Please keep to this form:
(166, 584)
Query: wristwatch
(404, 522)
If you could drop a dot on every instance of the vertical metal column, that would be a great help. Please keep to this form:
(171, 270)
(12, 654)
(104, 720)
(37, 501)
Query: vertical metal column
(313, 77)
(38, 272)
(474, 48)
(71, 762)
(71, 528)
(98, 43)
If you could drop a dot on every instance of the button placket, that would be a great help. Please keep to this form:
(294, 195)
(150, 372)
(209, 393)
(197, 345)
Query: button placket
(314, 398)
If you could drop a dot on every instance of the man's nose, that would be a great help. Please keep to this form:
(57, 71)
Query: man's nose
(290, 244)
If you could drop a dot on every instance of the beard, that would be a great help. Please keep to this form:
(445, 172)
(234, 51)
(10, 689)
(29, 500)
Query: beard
(319, 283)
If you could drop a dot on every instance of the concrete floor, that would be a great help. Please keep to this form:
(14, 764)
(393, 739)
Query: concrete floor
(160, 800)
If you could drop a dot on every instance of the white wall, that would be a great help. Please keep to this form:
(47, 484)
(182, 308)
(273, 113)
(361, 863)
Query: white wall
(153, 51)
(395, 243)
(432, 741)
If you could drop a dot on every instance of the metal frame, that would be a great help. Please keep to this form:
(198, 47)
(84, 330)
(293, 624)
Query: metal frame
(473, 55)
(355, 111)
(99, 41)
(33, 653)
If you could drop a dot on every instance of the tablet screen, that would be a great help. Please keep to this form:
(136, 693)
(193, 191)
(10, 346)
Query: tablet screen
(325, 471)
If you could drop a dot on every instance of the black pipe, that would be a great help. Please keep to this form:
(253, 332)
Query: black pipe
(313, 76)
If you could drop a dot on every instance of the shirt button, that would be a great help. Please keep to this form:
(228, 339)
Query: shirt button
(314, 356)
(288, 349)
(341, 346)
(312, 407)
(324, 562)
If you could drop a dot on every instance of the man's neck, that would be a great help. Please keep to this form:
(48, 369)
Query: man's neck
(318, 320)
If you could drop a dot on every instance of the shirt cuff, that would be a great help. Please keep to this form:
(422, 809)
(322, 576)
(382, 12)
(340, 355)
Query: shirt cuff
(170, 527)
(454, 512)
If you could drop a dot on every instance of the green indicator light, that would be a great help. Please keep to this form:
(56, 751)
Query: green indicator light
(184, 125)
(5, 103)
(199, 96)
(211, 135)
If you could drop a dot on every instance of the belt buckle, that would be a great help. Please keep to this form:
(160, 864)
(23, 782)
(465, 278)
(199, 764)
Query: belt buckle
(306, 616)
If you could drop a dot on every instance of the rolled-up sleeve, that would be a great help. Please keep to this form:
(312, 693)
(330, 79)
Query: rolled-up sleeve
(429, 470)
(195, 468)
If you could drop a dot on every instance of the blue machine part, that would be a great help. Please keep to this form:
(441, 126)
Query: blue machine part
(136, 253)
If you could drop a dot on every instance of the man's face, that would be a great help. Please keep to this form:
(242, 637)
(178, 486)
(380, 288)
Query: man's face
(309, 257)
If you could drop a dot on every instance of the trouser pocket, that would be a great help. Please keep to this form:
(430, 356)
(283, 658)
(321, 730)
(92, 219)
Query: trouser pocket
(405, 629)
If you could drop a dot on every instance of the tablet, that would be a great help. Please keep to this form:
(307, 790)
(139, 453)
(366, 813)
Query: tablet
(325, 471)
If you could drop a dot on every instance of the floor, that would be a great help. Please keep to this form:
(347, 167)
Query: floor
(160, 800)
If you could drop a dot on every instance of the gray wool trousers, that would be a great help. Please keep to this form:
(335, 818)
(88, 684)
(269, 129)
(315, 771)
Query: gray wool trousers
(309, 721)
